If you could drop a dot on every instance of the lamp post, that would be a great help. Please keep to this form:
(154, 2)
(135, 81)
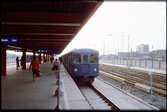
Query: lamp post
(108, 35)
(104, 46)
(128, 51)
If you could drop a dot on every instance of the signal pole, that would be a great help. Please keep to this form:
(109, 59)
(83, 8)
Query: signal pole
(104, 46)
(128, 50)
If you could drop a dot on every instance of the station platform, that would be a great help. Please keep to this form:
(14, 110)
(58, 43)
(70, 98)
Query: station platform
(70, 96)
(18, 91)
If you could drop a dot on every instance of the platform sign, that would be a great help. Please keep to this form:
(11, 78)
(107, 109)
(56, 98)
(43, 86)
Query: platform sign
(4, 40)
(18, 50)
(43, 50)
(8, 39)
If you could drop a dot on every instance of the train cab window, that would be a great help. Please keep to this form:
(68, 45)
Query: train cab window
(77, 59)
(93, 58)
(85, 59)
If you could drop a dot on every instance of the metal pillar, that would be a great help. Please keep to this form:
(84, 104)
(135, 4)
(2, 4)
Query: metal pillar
(40, 58)
(33, 53)
(159, 64)
(23, 60)
(46, 57)
(43, 58)
(135, 62)
(3, 60)
(145, 63)
(152, 64)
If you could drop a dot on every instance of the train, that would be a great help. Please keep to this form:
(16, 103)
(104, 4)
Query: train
(82, 64)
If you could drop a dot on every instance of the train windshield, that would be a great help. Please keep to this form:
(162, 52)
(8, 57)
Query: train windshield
(77, 59)
(93, 58)
(85, 59)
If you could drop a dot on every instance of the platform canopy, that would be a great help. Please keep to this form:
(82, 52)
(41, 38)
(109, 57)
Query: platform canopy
(44, 24)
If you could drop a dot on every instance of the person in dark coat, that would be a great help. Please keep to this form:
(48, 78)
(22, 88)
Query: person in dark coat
(17, 63)
(51, 59)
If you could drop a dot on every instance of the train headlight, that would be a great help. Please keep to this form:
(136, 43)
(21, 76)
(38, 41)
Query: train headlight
(75, 69)
(95, 69)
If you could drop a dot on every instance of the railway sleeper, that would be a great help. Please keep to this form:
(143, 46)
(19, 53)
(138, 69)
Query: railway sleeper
(160, 91)
(135, 84)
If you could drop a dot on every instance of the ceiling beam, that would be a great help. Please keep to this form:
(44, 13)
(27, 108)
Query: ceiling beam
(40, 24)
(37, 29)
(19, 36)
(44, 39)
(39, 34)
(42, 43)
(41, 17)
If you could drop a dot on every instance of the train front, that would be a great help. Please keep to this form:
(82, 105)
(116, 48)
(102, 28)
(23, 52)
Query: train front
(85, 65)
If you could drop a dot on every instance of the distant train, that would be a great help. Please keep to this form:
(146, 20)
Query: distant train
(82, 64)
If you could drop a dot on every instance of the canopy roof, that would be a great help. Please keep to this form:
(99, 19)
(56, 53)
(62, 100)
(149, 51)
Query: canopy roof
(45, 24)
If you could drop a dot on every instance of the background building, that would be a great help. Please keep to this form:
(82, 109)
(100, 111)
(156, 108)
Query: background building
(158, 54)
(142, 48)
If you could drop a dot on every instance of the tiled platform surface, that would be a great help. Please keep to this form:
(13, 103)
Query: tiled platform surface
(18, 91)
(71, 97)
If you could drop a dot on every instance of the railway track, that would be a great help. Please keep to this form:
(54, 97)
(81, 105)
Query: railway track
(157, 77)
(134, 80)
(96, 99)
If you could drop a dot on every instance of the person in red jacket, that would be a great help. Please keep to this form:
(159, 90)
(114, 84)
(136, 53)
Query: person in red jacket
(35, 67)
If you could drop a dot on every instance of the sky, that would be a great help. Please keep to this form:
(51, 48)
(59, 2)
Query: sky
(113, 23)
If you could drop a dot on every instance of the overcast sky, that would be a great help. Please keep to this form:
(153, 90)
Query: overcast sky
(109, 28)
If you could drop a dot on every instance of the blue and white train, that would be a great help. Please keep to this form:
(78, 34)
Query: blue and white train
(82, 64)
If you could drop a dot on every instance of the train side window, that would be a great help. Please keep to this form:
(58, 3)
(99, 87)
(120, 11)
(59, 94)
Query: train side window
(77, 59)
(93, 58)
(85, 59)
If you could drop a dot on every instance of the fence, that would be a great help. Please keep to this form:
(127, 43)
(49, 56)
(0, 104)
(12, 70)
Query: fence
(142, 63)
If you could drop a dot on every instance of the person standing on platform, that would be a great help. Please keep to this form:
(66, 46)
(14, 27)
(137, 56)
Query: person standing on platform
(60, 59)
(35, 67)
(51, 59)
(56, 66)
(17, 63)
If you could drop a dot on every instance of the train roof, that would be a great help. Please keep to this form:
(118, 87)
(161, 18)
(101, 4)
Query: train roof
(84, 50)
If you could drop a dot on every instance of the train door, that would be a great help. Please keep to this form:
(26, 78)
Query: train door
(85, 64)
(93, 62)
